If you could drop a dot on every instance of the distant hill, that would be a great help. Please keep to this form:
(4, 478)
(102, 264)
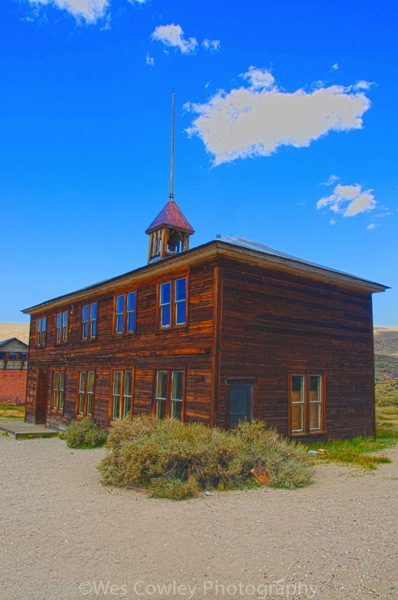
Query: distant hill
(17, 330)
(386, 351)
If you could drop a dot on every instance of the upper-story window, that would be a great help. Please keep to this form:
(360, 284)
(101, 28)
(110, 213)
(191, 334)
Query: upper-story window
(41, 331)
(62, 327)
(173, 303)
(125, 312)
(89, 321)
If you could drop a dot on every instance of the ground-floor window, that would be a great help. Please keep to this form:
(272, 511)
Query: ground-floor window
(240, 403)
(170, 394)
(122, 394)
(306, 403)
(58, 390)
(86, 393)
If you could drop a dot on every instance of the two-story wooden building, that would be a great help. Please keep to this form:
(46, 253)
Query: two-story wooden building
(225, 331)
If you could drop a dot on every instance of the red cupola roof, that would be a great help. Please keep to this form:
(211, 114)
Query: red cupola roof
(171, 216)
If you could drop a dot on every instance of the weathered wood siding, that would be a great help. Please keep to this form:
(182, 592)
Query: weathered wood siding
(274, 322)
(144, 351)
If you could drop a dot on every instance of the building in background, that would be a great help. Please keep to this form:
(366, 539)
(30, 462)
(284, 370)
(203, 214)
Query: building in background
(13, 371)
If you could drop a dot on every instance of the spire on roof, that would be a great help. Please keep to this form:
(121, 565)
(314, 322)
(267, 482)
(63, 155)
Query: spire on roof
(171, 196)
(169, 232)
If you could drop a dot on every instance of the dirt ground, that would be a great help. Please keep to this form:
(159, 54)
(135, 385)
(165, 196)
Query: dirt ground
(65, 536)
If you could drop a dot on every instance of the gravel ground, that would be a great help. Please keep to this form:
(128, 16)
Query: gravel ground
(65, 536)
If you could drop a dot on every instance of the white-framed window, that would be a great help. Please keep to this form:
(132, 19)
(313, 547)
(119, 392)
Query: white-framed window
(86, 393)
(306, 403)
(58, 390)
(62, 327)
(122, 394)
(89, 321)
(41, 332)
(125, 312)
(173, 303)
(169, 394)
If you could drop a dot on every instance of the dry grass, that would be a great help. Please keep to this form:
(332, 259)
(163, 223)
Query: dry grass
(12, 412)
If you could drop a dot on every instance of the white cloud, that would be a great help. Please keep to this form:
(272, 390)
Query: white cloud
(332, 179)
(259, 79)
(332, 222)
(89, 10)
(150, 60)
(371, 226)
(334, 67)
(348, 200)
(363, 85)
(173, 35)
(212, 45)
(259, 119)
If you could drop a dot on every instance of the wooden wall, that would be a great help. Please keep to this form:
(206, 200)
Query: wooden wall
(145, 351)
(274, 323)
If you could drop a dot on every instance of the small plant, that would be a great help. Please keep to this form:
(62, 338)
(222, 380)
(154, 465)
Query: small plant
(175, 460)
(85, 434)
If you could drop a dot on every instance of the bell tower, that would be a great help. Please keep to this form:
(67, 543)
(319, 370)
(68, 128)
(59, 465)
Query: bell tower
(169, 232)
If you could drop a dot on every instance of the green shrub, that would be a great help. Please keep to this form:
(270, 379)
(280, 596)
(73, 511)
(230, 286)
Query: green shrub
(176, 460)
(85, 433)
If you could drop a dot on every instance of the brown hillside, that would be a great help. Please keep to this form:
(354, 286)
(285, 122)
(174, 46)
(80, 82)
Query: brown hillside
(17, 330)
(386, 351)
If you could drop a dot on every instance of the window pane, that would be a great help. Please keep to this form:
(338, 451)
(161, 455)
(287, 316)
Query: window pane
(165, 293)
(93, 311)
(130, 311)
(315, 388)
(161, 409)
(315, 397)
(117, 376)
(297, 400)
(176, 409)
(176, 385)
(85, 313)
(119, 304)
(131, 301)
(165, 320)
(180, 313)
(181, 289)
(82, 390)
(119, 314)
(44, 324)
(93, 320)
(55, 389)
(116, 382)
(127, 383)
(61, 389)
(90, 392)
(315, 416)
(119, 324)
(161, 385)
(297, 417)
(59, 326)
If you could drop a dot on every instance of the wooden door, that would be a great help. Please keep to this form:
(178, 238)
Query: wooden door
(41, 396)
(240, 403)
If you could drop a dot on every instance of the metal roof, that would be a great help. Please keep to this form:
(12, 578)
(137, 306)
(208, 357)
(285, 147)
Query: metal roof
(274, 257)
(305, 265)
(172, 216)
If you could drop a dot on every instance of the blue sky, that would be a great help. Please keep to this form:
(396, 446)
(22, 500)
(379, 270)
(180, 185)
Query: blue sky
(286, 134)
